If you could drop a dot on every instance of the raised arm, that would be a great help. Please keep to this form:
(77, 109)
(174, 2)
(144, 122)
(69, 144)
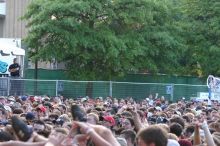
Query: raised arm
(99, 135)
(208, 135)
(20, 143)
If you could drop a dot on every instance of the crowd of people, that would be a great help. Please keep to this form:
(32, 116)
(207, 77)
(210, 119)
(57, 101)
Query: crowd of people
(84, 121)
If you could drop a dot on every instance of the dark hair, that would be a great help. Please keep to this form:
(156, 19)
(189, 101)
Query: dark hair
(126, 114)
(212, 130)
(78, 114)
(3, 111)
(5, 136)
(18, 111)
(44, 133)
(190, 129)
(178, 120)
(47, 121)
(131, 121)
(185, 117)
(129, 134)
(153, 134)
(151, 109)
(176, 129)
(53, 116)
(63, 106)
(39, 122)
(111, 111)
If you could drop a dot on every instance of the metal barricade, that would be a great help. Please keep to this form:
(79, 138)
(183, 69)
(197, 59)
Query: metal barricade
(4, 86)
(68, 88)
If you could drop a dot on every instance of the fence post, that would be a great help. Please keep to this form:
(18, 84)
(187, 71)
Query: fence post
(8, 86)
(172, 92)
(57, 87)
(110, 88)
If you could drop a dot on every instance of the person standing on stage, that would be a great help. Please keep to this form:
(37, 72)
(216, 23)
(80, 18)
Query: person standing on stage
(14, 70)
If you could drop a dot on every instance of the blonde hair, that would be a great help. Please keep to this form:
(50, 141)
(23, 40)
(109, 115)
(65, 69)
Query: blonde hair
(95, 116)
(190, 115)
(172, 136)
(165, 127)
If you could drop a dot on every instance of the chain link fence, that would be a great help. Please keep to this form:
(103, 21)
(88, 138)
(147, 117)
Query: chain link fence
(72, 89)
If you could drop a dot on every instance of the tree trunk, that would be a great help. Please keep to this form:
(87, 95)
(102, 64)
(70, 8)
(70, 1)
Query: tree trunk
(36, 77)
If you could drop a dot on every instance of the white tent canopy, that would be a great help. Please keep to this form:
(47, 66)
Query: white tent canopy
(10, 49)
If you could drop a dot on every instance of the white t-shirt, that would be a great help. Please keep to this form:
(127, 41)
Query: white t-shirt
(172, 142)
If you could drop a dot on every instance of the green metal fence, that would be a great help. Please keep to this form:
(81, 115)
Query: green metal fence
(136, 90)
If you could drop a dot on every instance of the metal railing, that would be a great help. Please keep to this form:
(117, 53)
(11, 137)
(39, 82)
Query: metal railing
(11, 86)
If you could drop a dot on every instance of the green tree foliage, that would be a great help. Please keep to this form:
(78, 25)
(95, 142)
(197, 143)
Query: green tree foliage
(201, 20)
(101, 39)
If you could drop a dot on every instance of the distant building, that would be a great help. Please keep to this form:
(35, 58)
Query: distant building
(11, 26)
(10, 13)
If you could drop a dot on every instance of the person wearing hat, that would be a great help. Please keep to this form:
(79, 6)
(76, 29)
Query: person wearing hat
(24, 98)
(30, 117)
(41, 110)
(64, 117)
(108, 121)
(8, 111)
(32, 99)
(2, 100)
(11, 100)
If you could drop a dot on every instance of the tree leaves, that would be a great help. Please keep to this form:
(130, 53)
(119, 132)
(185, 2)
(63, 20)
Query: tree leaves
(101, 39)
(203, 18)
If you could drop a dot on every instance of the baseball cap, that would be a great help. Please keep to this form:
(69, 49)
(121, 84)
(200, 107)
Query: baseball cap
(158, 108)
(11, 98)
(8, 108)
(5, 136)
(32, 98)
(84, 99)
(42, 108)
(2, 97)
(48, 104)
(64, 117)
(45, 98)
(24, 98)
(59, 121)
(30, 116)
(109, 119)
(16, 105)
(161, 120)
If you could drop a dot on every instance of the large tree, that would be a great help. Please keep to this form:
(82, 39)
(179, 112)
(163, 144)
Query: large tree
(101, 39)
(201, 21)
